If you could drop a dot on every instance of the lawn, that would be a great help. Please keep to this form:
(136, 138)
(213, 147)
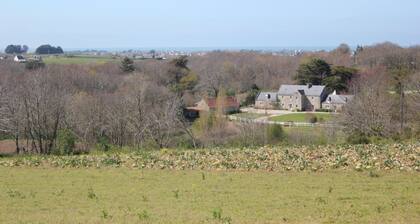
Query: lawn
(121, 195)
(302, 117)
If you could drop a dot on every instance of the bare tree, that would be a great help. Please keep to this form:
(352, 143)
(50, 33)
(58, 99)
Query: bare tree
(370, 112)
(44, 96)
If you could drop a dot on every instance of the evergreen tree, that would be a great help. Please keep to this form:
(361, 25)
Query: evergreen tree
(127, 65)
(180, 77)
(339, 79)
(313, 72)
(319, 72)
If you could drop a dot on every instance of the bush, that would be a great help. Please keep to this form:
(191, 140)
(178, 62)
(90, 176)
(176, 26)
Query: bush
(103, 144)
(127, 65)
(275, 133)
(34, 64)
(230, 92)
(313, 119)
(358, 138)
(66, 142)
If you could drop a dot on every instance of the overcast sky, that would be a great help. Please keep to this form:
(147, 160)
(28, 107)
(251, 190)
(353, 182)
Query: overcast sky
(208, 23)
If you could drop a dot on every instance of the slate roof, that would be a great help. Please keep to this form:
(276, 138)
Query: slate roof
(338, 99)
(315, 90)
(264, 96)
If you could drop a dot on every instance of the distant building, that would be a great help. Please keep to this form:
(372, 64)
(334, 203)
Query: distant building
(301, 98)
(230, 105)
(19, 58)
(267, 100)
(336, 102)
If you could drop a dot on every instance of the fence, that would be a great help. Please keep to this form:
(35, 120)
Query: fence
(285, 124)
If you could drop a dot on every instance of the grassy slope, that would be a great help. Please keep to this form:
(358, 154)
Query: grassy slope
(110, 195)
(301, 117)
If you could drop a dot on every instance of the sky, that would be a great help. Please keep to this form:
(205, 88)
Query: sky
(208, 23)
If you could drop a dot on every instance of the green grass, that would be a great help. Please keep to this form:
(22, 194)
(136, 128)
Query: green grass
(53, 195)
(79, 60)
(301, 117)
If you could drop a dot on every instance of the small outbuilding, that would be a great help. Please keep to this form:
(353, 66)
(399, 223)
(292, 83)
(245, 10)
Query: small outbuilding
(229, 104)
(267, 100)
(336, 102)
(19, 59)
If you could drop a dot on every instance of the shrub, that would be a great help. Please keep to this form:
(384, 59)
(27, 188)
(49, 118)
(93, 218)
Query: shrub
(103, 144)
(127, 65)
(34, 64)
(313, 119)
(358, 138)
(275, 133)
(66, 142)
(230, 92)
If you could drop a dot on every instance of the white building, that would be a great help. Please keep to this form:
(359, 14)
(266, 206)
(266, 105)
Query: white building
(19, 58)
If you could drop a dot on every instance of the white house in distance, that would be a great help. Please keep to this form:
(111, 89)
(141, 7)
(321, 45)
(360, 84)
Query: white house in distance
(336, 102)
(19, 59)
(301, 98)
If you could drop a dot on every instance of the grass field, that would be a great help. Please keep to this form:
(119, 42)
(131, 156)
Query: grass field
(111, 195)
(301, 117)
(79, 60)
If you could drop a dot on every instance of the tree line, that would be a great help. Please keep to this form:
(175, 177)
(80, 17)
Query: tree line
(141, 103)
(43, 49)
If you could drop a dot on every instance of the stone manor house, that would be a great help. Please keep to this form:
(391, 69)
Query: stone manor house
(301, 98)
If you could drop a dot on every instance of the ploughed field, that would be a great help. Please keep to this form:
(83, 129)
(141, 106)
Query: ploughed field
(324, 184)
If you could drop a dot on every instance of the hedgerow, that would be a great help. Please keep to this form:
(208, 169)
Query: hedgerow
(314, 158)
